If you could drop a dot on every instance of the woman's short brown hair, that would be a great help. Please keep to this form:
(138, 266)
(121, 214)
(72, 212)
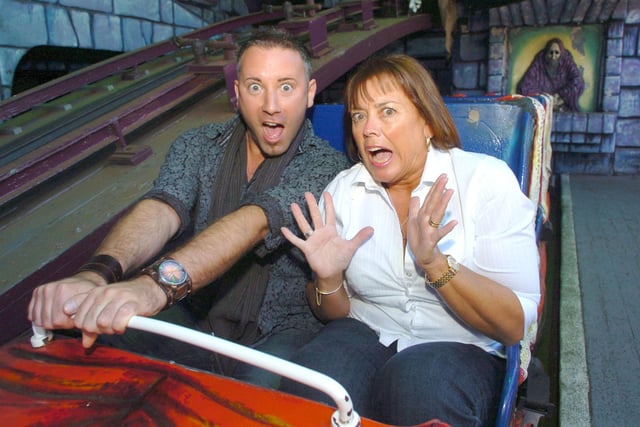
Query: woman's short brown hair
(406, 73)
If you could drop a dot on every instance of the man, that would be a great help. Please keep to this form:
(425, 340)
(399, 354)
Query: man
(233, 183)
(554, 71)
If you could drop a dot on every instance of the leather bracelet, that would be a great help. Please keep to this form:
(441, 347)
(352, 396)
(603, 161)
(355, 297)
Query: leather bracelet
(319, 293)
(105, 266)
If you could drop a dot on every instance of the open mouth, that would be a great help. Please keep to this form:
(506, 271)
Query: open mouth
(380, 156)
(272, 131)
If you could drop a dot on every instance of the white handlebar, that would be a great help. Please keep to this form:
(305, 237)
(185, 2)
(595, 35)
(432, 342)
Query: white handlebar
(40, 336)
(345, 416)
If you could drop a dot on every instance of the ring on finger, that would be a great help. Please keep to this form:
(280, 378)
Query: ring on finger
(434, 224)
(308, 234)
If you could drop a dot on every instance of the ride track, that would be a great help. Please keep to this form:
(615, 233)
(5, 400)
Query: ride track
(75, 153)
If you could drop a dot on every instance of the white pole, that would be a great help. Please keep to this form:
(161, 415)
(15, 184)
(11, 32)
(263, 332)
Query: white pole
(345, 415)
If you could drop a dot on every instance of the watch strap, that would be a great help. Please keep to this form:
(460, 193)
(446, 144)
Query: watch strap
(446, 277)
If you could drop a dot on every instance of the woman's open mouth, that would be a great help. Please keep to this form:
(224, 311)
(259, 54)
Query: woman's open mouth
(380, 156)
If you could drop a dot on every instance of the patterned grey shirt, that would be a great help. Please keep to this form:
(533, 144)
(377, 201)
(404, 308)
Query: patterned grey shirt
(185, 183)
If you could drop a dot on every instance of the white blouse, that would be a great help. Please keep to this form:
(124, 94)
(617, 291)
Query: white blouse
(495, 237)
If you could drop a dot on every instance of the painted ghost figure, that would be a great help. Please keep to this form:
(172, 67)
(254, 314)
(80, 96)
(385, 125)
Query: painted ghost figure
(554, 71)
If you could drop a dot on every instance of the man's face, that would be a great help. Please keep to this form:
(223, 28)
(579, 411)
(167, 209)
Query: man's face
(273, 96)
(553, 54)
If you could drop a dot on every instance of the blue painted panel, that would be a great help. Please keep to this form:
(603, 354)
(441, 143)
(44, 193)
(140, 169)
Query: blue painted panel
(503, 128)
(328, 123)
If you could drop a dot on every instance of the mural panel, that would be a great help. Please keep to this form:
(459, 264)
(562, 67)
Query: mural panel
(562, 60)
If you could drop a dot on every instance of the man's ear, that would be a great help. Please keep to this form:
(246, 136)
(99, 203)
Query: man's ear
(311, 92)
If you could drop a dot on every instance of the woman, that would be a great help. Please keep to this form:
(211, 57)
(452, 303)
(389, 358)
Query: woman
(425, 260)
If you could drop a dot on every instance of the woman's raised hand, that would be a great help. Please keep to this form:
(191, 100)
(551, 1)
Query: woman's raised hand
(425, 228)
(327, 253)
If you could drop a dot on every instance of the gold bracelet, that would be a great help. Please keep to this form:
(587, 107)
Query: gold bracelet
(319, 293)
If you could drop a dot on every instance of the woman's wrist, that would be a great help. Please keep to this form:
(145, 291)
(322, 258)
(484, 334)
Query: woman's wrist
(326, 288)
(437, 277)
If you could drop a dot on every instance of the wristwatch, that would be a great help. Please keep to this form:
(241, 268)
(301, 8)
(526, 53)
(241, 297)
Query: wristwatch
(172, 278)
(448, 275)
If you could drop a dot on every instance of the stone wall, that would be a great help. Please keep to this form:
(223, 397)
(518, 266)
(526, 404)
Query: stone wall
(602, 142)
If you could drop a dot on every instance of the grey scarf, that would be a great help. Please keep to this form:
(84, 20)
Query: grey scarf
(239, 293)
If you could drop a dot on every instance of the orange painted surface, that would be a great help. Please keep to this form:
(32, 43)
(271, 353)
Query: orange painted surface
(62, 385)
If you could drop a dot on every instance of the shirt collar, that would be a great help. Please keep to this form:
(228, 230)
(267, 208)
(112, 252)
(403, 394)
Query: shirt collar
(438, 162)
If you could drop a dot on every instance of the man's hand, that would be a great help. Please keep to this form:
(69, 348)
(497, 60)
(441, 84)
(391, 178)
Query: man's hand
(92, 308)
(558, 102)
(108, 309)
(47, 305)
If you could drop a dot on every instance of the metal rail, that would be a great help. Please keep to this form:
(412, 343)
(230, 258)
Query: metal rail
(46, 122)
(25, 101)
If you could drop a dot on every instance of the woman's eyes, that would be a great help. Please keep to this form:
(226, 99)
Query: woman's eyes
(385, 112)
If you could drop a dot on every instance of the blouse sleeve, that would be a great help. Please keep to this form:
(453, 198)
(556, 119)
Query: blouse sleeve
(505, 247)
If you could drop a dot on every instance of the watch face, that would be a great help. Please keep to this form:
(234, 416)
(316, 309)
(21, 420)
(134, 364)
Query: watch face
(172, 273)
(452, 262)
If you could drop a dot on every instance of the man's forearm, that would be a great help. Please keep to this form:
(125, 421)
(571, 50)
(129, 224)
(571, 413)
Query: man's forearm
(141, 234)
(217, 248)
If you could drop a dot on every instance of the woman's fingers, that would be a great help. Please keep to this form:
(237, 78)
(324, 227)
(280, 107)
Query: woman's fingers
(314, 211)
(291, 237)
(303, 224)
(330, 212)
(436, 202)
(301, 220)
